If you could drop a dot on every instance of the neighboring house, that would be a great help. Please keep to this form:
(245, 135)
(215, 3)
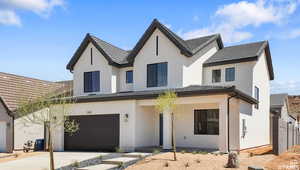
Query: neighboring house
(294, 106)
(13, 90)
(6, 132)
(224, 93)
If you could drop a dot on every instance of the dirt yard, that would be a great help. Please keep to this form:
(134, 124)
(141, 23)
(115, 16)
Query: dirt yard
(198, 161)
(287, 161)
(4, 157)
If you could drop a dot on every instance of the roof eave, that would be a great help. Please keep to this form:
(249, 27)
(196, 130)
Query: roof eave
(240, 60)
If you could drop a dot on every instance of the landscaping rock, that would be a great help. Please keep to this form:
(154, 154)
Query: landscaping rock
(255, 168)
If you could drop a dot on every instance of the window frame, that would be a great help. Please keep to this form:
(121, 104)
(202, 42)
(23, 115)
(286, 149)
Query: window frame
(127, 77)
(159, 80)
(212, 76)
(198, 113)
(156, 52)
(227, 75)
(256, 96)
(91, 56)
(94, 76)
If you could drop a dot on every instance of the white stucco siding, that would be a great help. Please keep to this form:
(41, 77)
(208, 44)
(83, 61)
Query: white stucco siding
(257, 120)
(184, 128)
(284, 112)
(193, 67)
(24, 131)
(123, 86)
(147, 127)
(127, 128)
(167, 52)
(243, 76)
(107, 74)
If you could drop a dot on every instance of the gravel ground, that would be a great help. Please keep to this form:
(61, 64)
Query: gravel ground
(197, 161)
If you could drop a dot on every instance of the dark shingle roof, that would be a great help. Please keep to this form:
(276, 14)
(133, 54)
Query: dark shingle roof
(181, 92)
(116, 54)
(122, 58)
(277, 100)
(241, 53)
(236, 52)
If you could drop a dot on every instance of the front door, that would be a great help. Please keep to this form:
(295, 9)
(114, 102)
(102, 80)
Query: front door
(161, 125)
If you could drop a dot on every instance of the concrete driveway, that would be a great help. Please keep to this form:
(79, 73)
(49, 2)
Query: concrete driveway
(41, 161)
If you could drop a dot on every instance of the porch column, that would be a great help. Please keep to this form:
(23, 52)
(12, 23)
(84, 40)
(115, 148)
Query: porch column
(167, 129)
(223, 136)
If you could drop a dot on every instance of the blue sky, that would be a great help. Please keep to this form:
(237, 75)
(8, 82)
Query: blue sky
(38, 37)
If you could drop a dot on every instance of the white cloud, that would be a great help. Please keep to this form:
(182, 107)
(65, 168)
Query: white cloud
(40, 7)
(8, 17)
(291, 86)
(230, 19)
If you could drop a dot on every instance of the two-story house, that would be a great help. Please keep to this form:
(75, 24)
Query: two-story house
(223, 93)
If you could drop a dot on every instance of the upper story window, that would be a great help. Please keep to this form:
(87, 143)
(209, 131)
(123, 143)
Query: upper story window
(206, 122)
(256, 95)
(230, 74)
(92, 81)
(216, 76)
(157, 74)
(129, 76)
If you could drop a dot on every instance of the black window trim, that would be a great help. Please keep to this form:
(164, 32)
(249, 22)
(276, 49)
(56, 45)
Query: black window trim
(256, 96)
(156, 76)
(127, 82)
(229, 80)
(197, 133)
(212, 76)
(84, 88)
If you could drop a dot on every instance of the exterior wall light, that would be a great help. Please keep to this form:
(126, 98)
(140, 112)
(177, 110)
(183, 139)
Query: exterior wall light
(126, 117)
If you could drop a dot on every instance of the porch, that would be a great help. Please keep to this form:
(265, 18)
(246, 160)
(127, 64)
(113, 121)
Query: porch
(200, 123)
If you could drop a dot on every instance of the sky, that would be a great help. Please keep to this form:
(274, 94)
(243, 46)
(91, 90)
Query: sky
(38, 37)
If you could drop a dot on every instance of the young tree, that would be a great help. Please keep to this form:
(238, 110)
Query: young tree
(166, 102)
(50, 111)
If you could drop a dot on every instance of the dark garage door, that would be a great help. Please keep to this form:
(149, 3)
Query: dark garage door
(96, 133)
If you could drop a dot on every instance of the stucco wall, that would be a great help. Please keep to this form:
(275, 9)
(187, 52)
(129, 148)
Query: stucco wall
(123, 86)
(107, 72)
(8, 123)
(24, 132)
(127, 128)
(258, 120)
(243, 76)
(193, 67)
(167, 52)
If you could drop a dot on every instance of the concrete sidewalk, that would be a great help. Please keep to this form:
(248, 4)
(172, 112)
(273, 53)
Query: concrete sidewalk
(41, 162)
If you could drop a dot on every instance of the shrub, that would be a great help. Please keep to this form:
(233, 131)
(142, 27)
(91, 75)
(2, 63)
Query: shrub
(198, 161)
(183, 151)
(166, 164)
(75, 163)
(120, 164)
(119, 150)
(187, 165)
(194, 152)
(100, 157)
(156, 151)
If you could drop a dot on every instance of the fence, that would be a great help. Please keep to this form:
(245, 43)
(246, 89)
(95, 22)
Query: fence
(285, 135)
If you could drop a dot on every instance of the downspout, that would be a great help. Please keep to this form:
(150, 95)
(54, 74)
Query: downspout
(228, 119)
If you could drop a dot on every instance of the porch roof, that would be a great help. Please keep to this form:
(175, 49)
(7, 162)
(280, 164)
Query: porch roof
(181, 92)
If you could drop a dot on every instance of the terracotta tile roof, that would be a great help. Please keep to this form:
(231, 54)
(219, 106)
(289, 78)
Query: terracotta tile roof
(14, 88)
(294, 104)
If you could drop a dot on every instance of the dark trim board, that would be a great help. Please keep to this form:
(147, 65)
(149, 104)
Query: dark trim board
(96, 133)
(181, 92)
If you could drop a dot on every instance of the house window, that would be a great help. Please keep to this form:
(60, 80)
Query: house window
(91, 56)
(256, 95)
(216, 76)
(156, 45)
(129, 76)
(230, 74)
(92, 81)
(206, 122)
(157, 74)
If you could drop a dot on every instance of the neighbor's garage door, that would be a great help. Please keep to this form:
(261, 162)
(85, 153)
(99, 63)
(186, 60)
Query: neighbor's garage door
(96, 132)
